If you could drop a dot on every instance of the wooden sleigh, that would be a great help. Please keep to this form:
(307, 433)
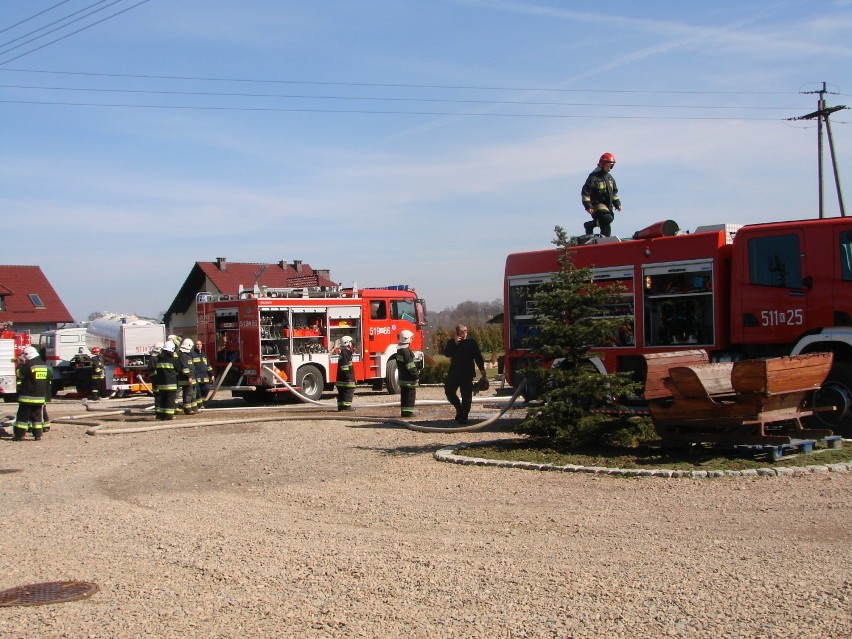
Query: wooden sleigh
(757, 401)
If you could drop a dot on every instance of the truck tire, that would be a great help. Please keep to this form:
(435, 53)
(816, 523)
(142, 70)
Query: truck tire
(836, 391)
(392, 378)
(309, 379)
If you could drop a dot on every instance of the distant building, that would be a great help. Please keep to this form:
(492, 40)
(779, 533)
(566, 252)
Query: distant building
(226, 277)
(28, 301)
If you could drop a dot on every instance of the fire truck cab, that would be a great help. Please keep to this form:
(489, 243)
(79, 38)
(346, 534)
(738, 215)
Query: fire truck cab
(761, 290)
(265, 337)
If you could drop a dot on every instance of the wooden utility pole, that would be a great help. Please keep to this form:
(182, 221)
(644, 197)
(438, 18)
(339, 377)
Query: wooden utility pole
(821, 115)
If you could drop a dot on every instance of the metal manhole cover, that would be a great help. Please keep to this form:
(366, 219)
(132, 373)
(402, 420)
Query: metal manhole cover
(9, 471)
(47, 593)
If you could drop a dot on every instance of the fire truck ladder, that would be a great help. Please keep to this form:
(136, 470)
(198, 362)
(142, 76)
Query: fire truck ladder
(303, 292)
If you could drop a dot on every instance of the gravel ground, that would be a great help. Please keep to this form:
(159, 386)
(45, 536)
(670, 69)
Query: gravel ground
(308, 528)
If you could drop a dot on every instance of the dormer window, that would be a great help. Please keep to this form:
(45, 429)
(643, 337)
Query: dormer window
(36, 300)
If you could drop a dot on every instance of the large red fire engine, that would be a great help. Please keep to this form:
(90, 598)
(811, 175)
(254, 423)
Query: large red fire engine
(267, 334)
(12, 343)
(761, 290)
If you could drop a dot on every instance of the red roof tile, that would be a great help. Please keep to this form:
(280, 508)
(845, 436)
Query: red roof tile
(270, 275)
(17, 283)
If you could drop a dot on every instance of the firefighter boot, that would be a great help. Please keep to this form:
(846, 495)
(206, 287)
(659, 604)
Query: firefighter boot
(37, 434)
(19, 434)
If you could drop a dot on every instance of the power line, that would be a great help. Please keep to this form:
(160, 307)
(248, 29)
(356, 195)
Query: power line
(50, 24)
(32, 17)
(75, 32)
(391, 99)
(384, 85)
(380, 112)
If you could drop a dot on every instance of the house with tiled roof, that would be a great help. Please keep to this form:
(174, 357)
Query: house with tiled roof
(29, 302)
(224, 277)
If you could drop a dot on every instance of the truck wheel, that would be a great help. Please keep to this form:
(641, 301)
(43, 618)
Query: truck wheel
(836, 391)
(392, 378)
(309, 379)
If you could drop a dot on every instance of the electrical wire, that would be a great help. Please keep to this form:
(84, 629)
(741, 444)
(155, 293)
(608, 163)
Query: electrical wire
(391, 99)
(68, 35)
(386, 85)
(50, 24)
(383, 112)
(34, 16)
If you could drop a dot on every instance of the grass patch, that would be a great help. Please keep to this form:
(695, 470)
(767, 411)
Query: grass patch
(652, 456)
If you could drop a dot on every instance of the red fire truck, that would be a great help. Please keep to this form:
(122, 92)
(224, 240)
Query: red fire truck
(760, 290)
(12, 343)
(265, 333)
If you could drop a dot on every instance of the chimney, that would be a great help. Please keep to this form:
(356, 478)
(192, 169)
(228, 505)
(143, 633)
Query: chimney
(283, 265)
(222, 263)
(297, 264)
(323, 273)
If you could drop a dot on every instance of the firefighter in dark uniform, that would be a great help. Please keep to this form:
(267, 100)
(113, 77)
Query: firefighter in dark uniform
(33, 385)
(600, 196)
(345, 382)
(98, 378)
(165, 381)
(408, 373)
(464, 354)
(203, 374)
(152, 372)
(82, 365)
(186, 377)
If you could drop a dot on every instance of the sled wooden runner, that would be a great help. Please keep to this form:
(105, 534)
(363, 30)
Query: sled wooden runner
(758, 401)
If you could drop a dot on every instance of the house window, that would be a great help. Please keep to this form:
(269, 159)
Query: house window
(36, 300)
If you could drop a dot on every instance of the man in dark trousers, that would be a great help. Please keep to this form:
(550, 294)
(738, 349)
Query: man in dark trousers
(203, 375)
(345, 382)
(166, 381)
(98, 376)
(33, 389)
(406, 366)
(465, 358)
(600, 196)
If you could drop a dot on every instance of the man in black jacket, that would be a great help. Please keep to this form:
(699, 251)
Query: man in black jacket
(465, 357)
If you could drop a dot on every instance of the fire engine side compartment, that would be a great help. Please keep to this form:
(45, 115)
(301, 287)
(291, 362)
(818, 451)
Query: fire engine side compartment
(656, 272)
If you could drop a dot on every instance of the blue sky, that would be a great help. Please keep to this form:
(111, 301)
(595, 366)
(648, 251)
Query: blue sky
(394, 142)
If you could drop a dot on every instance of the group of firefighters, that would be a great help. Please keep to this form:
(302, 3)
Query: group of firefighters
(179, 366)
(34, 388)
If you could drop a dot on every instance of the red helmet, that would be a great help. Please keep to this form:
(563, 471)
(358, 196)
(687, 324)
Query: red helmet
(606, 157)
(95, 350)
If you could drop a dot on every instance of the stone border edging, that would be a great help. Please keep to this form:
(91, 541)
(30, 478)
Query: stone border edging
(447, 454)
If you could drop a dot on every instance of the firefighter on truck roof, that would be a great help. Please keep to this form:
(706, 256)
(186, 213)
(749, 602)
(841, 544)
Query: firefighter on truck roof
(600, 196)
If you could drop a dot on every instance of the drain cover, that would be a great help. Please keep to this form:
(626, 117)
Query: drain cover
(47, 593)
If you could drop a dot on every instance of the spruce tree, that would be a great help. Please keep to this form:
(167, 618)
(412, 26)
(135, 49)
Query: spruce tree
(571, 318)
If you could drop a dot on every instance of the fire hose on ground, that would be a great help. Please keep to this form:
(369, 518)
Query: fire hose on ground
(100, 428)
